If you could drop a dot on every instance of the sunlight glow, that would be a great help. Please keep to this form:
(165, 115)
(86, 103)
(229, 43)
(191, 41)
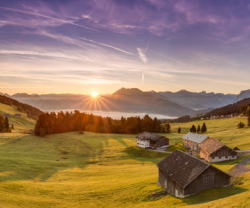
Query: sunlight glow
(94, 94)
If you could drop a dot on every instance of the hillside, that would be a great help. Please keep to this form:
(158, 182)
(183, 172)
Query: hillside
(238, 107)
(101, 171)
(20, 123)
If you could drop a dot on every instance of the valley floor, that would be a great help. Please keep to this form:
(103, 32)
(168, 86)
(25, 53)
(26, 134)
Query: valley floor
(97, 171)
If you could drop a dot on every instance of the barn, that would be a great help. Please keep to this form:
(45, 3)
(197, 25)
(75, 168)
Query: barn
(183, 175)
(192, 141)
(213, 150)
(147, 139)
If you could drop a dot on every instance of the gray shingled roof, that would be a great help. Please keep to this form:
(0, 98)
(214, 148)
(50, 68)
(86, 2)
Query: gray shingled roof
(194, 137)
(182, 167)
(149, 136)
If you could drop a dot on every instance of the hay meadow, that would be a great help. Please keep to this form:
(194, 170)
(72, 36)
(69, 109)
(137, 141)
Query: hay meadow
(104, 170)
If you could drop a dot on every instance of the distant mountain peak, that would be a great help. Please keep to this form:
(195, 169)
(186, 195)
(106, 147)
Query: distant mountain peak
(21, 95)
(131, 92)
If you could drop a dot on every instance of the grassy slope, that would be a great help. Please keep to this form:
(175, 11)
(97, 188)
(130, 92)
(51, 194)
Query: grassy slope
(99, 173)
(22, 123)
(224, 129)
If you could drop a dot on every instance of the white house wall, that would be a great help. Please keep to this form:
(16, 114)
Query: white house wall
(143, 143)
(217, 159)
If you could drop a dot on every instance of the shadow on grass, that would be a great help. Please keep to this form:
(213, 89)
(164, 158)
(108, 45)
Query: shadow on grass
(213, 194)
(39, 158)
(144, 155)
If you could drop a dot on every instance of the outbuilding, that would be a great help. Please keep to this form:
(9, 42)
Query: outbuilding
(147, 139)
(213, 150)
(192, 141)
(183, 175)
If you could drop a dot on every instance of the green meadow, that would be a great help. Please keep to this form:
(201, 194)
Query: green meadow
(104, 170)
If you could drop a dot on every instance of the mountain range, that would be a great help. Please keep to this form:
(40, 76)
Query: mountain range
(134, 100)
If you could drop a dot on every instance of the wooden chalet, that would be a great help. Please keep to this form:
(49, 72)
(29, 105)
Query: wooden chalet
(192, 141)
(147, 140)
(213, 150)
(183, 175)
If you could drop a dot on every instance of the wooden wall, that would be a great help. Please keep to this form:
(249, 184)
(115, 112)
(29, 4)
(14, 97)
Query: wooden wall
(224, 151)
(210, 178)
(162, 142)
(169, 184)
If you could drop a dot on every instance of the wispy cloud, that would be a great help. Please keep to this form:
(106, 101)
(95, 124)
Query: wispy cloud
(142, 55)
(45, 16)
(142, 78)
(107, 45)
(168, 58)
(35, 53)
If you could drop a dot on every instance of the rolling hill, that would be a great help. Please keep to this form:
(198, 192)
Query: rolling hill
(101, 170)
(20, 123)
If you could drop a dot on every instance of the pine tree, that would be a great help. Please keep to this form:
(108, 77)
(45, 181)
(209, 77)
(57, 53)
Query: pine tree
(6, 123)
(203, 128)
(179, 130)
(198, 129)
(248, 121)
(247, 111)
(168, 128)
(194, 129)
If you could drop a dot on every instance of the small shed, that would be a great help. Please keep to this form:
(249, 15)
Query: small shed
(183, 175)
(213, 150)
(147, 139)
(192, 141)
(18, 115)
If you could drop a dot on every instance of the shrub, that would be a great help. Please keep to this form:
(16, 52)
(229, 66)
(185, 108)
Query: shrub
(80, 132)
(241, 125)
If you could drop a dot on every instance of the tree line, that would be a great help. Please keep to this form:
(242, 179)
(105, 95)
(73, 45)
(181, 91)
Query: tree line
(31, 111)
(52, 123)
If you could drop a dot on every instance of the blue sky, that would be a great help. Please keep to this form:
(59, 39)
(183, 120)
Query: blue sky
(81, 46)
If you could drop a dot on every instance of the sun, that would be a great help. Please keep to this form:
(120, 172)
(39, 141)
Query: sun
(94, 94)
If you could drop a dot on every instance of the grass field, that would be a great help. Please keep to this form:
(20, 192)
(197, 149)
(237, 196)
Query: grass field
(20, 123)
(104, 170)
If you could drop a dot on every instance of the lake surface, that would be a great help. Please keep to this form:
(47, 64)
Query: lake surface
(118, 115)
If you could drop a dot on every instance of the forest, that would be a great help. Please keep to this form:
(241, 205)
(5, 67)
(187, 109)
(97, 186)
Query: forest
(52, 123)
(31, 111)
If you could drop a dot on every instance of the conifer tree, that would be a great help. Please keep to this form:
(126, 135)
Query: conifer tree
(179, 130)
(6, 123)
(168, 128)
(247, 111)
(198, 129)
(203, 128)
(194, 129)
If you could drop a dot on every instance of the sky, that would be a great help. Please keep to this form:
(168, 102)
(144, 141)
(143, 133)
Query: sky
(81, 46)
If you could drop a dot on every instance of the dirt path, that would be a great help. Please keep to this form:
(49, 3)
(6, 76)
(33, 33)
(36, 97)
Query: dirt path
(240, 168)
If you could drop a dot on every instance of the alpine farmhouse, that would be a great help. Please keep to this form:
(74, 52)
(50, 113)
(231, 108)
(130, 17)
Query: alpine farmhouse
(183, 175)
(213, 150)
(192, 141)
(147, 140)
